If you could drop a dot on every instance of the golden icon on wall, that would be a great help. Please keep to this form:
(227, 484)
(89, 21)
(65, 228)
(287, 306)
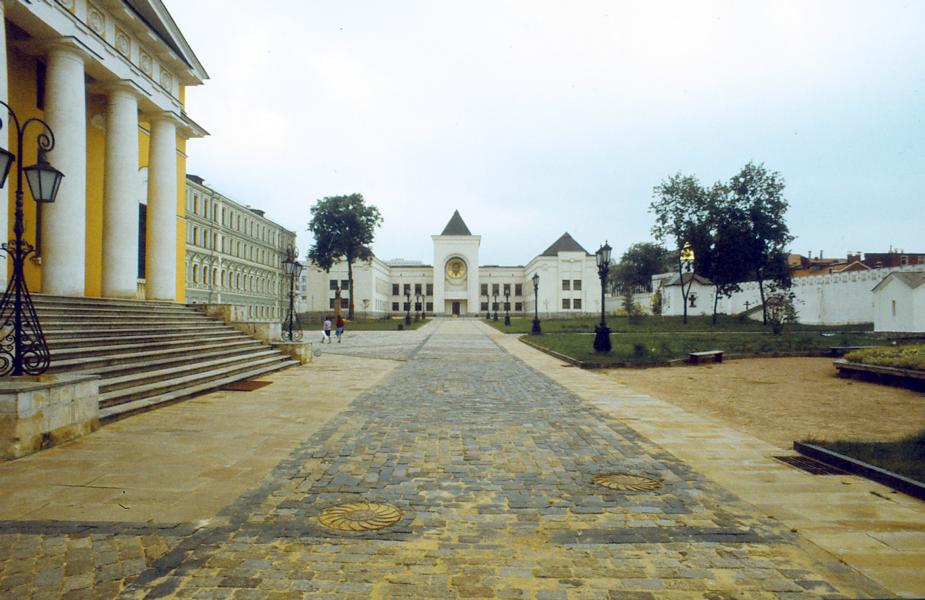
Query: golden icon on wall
(456, 269)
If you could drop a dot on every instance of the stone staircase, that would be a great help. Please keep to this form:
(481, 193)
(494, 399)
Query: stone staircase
(148, 353)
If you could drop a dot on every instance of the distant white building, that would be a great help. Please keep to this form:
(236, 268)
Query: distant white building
(456, 284)
(899, 303)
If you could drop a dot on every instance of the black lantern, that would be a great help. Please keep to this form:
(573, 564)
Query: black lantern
(602, 333)
(495, 305)
(507, 307)
(536, 305)
(23, 350)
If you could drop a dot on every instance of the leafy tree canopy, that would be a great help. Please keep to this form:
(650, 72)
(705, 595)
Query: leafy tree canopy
(638, 264)
(343, 228)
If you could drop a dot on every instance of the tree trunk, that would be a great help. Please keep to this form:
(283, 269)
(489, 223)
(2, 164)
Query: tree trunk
(350, 285)
(764, 306)
(683, 291)
(715, 301)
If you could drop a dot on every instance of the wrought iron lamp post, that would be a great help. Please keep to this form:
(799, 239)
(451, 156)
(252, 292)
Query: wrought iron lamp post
(424, 300)
(487, 304)
(408, 306)
(536, 305)
(417, 306)
(293, 269)
(495, 306)
(23, 350)
(507, 308)
(602, 333)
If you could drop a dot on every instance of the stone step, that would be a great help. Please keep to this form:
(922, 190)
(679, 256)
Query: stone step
(90, 339)
(60, 308)
(126, 324)
(112, 383)
(124, 409)
(61, 334)
(156, 388)
(67, 321)
(114, 362)
(71, 352)
(94, 301)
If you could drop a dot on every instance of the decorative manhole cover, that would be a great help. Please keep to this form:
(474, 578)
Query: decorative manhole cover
(360, 516)
(626, 482)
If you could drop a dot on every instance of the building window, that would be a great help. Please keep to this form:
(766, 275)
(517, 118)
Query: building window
(507, 306)
(518, 307)
(518, 289)
(395, 307)
(566, 285)
(576, 303)
(406, 306)
(507, 289)
(565, 301)
(331, 303)
(407, 289)
(485, 306)
(417, 289)
(430, 289)
(195, 274)
(344, 303)
(394, 289)
(484, 289)
(430, 307)
(345, 284)
(332, 284)
(904, 260)
(495, 288)
(576, 285)
(494, 306)
(894, 308)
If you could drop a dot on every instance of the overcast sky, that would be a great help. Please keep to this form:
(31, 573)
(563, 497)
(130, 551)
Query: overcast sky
(534, 118)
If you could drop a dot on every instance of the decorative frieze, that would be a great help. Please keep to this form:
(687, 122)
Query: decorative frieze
(123, 43)
(96, 20)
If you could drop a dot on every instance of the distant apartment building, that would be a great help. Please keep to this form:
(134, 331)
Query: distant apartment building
(234, 255)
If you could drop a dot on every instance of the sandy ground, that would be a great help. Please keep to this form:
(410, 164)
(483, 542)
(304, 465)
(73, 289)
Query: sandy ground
(780, 400)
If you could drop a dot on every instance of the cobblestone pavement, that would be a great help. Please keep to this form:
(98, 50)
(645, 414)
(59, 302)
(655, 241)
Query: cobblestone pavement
(493, 468)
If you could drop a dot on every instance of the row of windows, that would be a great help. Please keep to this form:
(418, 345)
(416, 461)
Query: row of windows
(407, 306)
(574, 304)
(496, 290)
(343, 283)
(418, 289)
(505, 306)
(232, 280)
(232, 219)
(236, 248)
(573, 284)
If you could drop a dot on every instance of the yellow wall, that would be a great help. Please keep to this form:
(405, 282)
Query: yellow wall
(22, 97)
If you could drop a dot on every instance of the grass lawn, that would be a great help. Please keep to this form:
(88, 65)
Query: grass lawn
(724, 323)
(903, 357)
(905, 457)
(368, 324)
(646, 348)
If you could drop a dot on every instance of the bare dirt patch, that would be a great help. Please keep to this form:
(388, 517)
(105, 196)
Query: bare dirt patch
(780, 400)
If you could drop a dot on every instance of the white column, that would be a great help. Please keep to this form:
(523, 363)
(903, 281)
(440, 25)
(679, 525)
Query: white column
(64, 229)
(161, 265)
(4, 142)
(120, 207)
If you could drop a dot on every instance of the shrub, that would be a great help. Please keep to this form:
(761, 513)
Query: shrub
(657, 303)
(901, 357)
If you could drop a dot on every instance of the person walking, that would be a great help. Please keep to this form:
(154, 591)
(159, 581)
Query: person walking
(326, 330)
(340, 327)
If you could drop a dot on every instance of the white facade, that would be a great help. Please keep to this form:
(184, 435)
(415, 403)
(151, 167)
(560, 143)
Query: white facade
(899, 303)
(456, 284)
(829, 299)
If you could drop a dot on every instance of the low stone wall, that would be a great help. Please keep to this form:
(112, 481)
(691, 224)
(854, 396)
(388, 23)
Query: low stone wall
(300, 351)
(234, 316)
(38, 412)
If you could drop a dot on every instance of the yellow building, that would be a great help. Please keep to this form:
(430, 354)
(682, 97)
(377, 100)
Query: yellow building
(108, 76)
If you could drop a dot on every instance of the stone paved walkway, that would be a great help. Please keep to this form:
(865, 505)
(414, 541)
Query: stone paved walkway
(491, 465)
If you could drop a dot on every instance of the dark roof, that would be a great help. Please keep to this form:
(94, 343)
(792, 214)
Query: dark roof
(566, 243)
(456, 226)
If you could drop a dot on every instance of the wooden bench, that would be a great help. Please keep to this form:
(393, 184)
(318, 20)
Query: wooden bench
(696, 358)
(843, 350)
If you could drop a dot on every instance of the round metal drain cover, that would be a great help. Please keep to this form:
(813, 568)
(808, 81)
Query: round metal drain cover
(360, 516)
(626, 482)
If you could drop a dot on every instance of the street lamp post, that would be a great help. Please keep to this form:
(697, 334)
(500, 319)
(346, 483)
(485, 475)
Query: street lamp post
(536, 305)
(424, 299)
(495, 306)
(293, 269)
(408, 306)
(602, 333)
(417, 306)
(487, 304)
(23, 350)
(507, 308)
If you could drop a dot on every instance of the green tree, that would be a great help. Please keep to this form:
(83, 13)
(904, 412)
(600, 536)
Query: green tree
(638, 264)
(723, 256)
(759, 194)
(682, 211)
(343, 228)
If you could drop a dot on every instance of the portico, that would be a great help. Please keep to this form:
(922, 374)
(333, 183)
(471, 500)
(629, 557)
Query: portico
(110, 80)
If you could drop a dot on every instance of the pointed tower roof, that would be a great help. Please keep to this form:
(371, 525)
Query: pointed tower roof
(456, 226)
(566, 243)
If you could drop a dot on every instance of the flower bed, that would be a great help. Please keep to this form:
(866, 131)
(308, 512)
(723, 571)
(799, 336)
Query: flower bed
(899, 357)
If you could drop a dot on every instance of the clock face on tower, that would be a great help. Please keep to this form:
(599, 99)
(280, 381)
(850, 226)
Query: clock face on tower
(456, 269)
